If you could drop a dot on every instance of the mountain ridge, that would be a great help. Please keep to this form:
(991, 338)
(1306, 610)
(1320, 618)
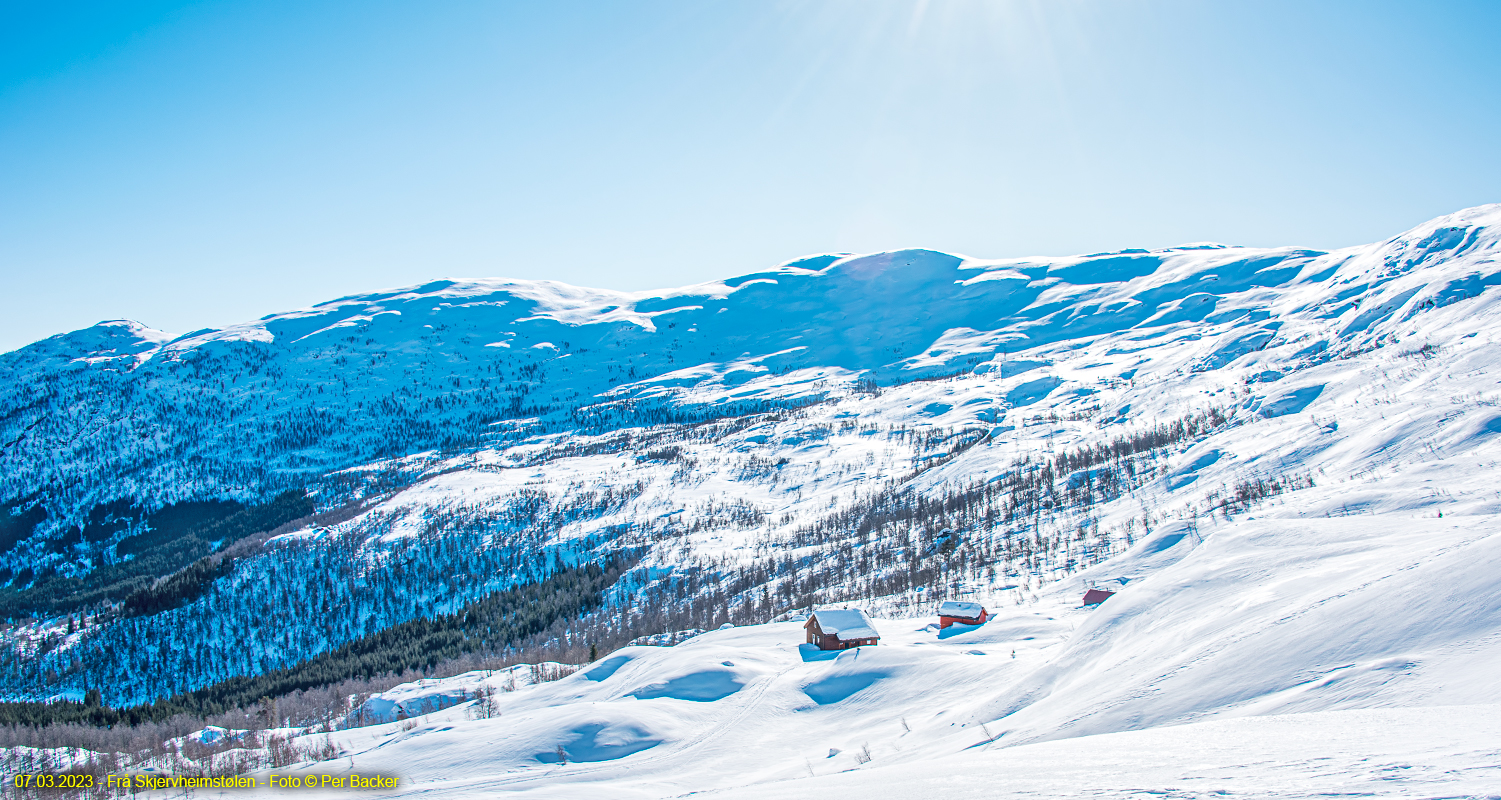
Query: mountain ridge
(790, 318)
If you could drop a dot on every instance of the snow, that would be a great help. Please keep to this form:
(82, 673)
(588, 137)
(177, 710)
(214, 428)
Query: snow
(1266, 658)
(1399, 753)
(430, 695)
(846, 623)
(958, 608)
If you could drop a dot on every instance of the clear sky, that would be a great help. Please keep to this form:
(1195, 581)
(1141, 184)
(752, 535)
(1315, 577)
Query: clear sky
(194, 164)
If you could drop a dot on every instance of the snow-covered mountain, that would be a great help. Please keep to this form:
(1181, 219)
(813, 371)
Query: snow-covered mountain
(1284, 460)
(121, 411)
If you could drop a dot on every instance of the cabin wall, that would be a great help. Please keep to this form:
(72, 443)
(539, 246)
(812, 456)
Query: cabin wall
(829, 641)
(944, 622)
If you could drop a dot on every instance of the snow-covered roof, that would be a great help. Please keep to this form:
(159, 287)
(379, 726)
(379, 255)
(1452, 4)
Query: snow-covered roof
(956, 608)
(846, 623)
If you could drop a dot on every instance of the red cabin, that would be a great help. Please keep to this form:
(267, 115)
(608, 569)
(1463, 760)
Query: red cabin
(840, 629)
(1094, 597)
(954, 611)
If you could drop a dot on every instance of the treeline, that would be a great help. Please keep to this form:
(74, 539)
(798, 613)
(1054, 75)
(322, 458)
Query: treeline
(1039, 516)
(188, 584)
(491, 626)
(1246, 493)
(290, 601)
(171, 539)
(1162, 435)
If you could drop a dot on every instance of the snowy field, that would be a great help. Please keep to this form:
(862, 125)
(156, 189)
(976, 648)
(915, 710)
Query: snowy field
(1406, 753)
(1262, 658)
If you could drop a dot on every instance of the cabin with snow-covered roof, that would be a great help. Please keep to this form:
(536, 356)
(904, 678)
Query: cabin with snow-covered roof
(1094, 597)
(956, 611)
(840, 629)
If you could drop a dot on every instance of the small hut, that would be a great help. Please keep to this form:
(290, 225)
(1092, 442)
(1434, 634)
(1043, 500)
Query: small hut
(954, 611)
(1094, 597)
(840, 629)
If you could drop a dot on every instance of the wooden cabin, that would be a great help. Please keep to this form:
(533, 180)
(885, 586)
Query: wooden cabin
(955, 611)
(1094, 597)
(840, 629)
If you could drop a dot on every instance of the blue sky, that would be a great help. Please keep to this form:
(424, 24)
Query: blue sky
(192, 164)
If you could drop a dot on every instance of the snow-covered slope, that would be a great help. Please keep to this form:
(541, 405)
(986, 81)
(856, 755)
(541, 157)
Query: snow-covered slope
(1379, 636)
(116, 411)
(1284, 461)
